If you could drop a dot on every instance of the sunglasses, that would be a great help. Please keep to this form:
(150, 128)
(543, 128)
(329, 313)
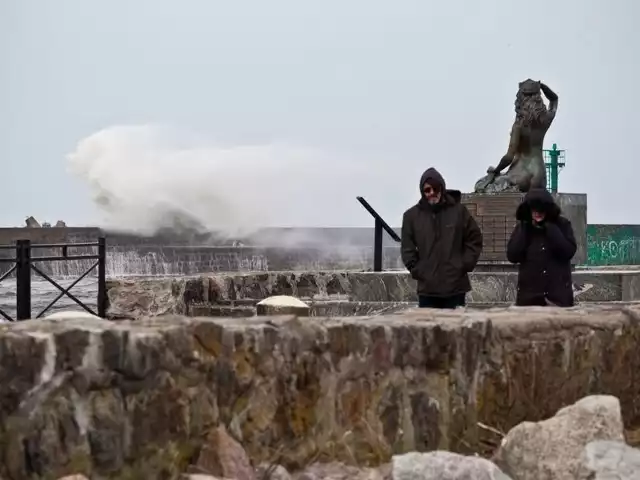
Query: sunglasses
(429, 190)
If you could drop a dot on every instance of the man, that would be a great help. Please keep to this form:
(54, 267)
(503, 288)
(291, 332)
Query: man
(441, 244)
(543, 245)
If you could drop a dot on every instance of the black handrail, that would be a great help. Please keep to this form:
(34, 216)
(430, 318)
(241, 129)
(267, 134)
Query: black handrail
(379, 226)
(23, 265)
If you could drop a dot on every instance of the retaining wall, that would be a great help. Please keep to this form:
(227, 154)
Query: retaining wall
(137, 399)
(152, 296)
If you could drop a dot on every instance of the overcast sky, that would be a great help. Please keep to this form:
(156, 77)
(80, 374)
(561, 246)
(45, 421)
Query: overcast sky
(411, 84)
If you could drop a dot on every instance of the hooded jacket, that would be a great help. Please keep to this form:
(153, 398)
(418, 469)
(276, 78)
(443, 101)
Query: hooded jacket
(441, 243)
(543, 253)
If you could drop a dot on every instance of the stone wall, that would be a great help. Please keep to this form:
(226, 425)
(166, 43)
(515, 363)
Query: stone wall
(151, 296)
(300, 249)
(135, 400)
(190, 254)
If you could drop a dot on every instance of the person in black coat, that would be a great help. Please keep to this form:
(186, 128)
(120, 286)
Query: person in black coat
(543, 245)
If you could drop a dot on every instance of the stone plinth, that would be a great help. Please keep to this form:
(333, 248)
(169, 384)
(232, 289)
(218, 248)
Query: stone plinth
(137, 399)
(495, 214)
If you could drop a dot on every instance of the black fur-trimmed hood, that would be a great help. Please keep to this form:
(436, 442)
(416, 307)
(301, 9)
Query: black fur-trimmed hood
(540, 198)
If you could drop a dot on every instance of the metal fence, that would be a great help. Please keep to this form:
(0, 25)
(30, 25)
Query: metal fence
(24, 263)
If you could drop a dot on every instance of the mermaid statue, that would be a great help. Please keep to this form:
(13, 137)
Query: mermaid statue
(524, 158)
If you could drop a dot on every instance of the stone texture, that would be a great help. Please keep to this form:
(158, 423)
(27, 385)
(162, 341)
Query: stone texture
(607, 460)
(553, 449)
(139, 397)
(269, 471)
(221, 455)
(200, 476)
(153, 296)
(340, 471)
(441, 465)
(132, 298)
(318, 308)
(282, 305)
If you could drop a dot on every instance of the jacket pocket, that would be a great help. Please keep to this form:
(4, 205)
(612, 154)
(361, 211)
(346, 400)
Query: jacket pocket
(415, 273)
(455, 268)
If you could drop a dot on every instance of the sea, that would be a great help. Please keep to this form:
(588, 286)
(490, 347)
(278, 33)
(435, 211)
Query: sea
(43, 292)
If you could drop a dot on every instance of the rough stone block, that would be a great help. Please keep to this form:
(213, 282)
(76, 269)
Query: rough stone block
(553, 448)
(441, 465)
(604, 459)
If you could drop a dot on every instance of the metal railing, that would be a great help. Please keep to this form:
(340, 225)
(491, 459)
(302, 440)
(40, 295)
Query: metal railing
(23, 265)
(379, 226)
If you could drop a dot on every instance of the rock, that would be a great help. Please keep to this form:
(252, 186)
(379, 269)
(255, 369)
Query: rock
(282, 305)
(607, 460)
(221, 455)
(132, 299)
(340, 471)
(553, 449)
(272, 472)
(200, 476)
(31, 222)
(440, 465)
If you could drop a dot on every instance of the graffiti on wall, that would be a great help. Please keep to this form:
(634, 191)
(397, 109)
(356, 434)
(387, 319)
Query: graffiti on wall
(613, 245)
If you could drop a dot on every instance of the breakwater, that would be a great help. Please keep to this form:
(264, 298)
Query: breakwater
(277, 249)
(304, 249)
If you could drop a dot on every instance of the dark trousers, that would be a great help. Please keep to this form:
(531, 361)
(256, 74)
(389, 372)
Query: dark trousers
(451, 302)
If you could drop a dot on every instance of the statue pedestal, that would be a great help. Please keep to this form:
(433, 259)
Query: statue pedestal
(495, 214)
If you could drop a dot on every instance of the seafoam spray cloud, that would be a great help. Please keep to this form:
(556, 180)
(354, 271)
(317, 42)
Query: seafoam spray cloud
(144, 178)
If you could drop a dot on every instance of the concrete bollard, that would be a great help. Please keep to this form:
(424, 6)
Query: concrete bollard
(282, 305)
(71, 315)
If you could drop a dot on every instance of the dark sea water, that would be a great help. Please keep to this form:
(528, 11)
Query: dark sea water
(42, 293)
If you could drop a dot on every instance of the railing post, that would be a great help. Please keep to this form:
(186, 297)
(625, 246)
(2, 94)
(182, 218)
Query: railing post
(377, 246)
(23, 279)
(102, 277)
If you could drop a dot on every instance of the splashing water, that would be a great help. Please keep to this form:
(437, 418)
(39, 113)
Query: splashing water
(146, 178)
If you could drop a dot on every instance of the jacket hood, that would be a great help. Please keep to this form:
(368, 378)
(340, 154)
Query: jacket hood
(540, 198)
(435, 178)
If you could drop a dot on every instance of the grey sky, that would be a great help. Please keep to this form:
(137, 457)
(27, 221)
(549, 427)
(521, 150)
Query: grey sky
(411, 83)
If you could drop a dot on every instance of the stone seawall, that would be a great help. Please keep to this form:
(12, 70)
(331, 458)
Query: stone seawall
(152, 296)
(299, 249)
(135, 400)
(268, 237)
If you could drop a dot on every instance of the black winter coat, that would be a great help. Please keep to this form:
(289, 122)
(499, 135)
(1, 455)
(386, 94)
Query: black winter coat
(543, 253)
(441, 243)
